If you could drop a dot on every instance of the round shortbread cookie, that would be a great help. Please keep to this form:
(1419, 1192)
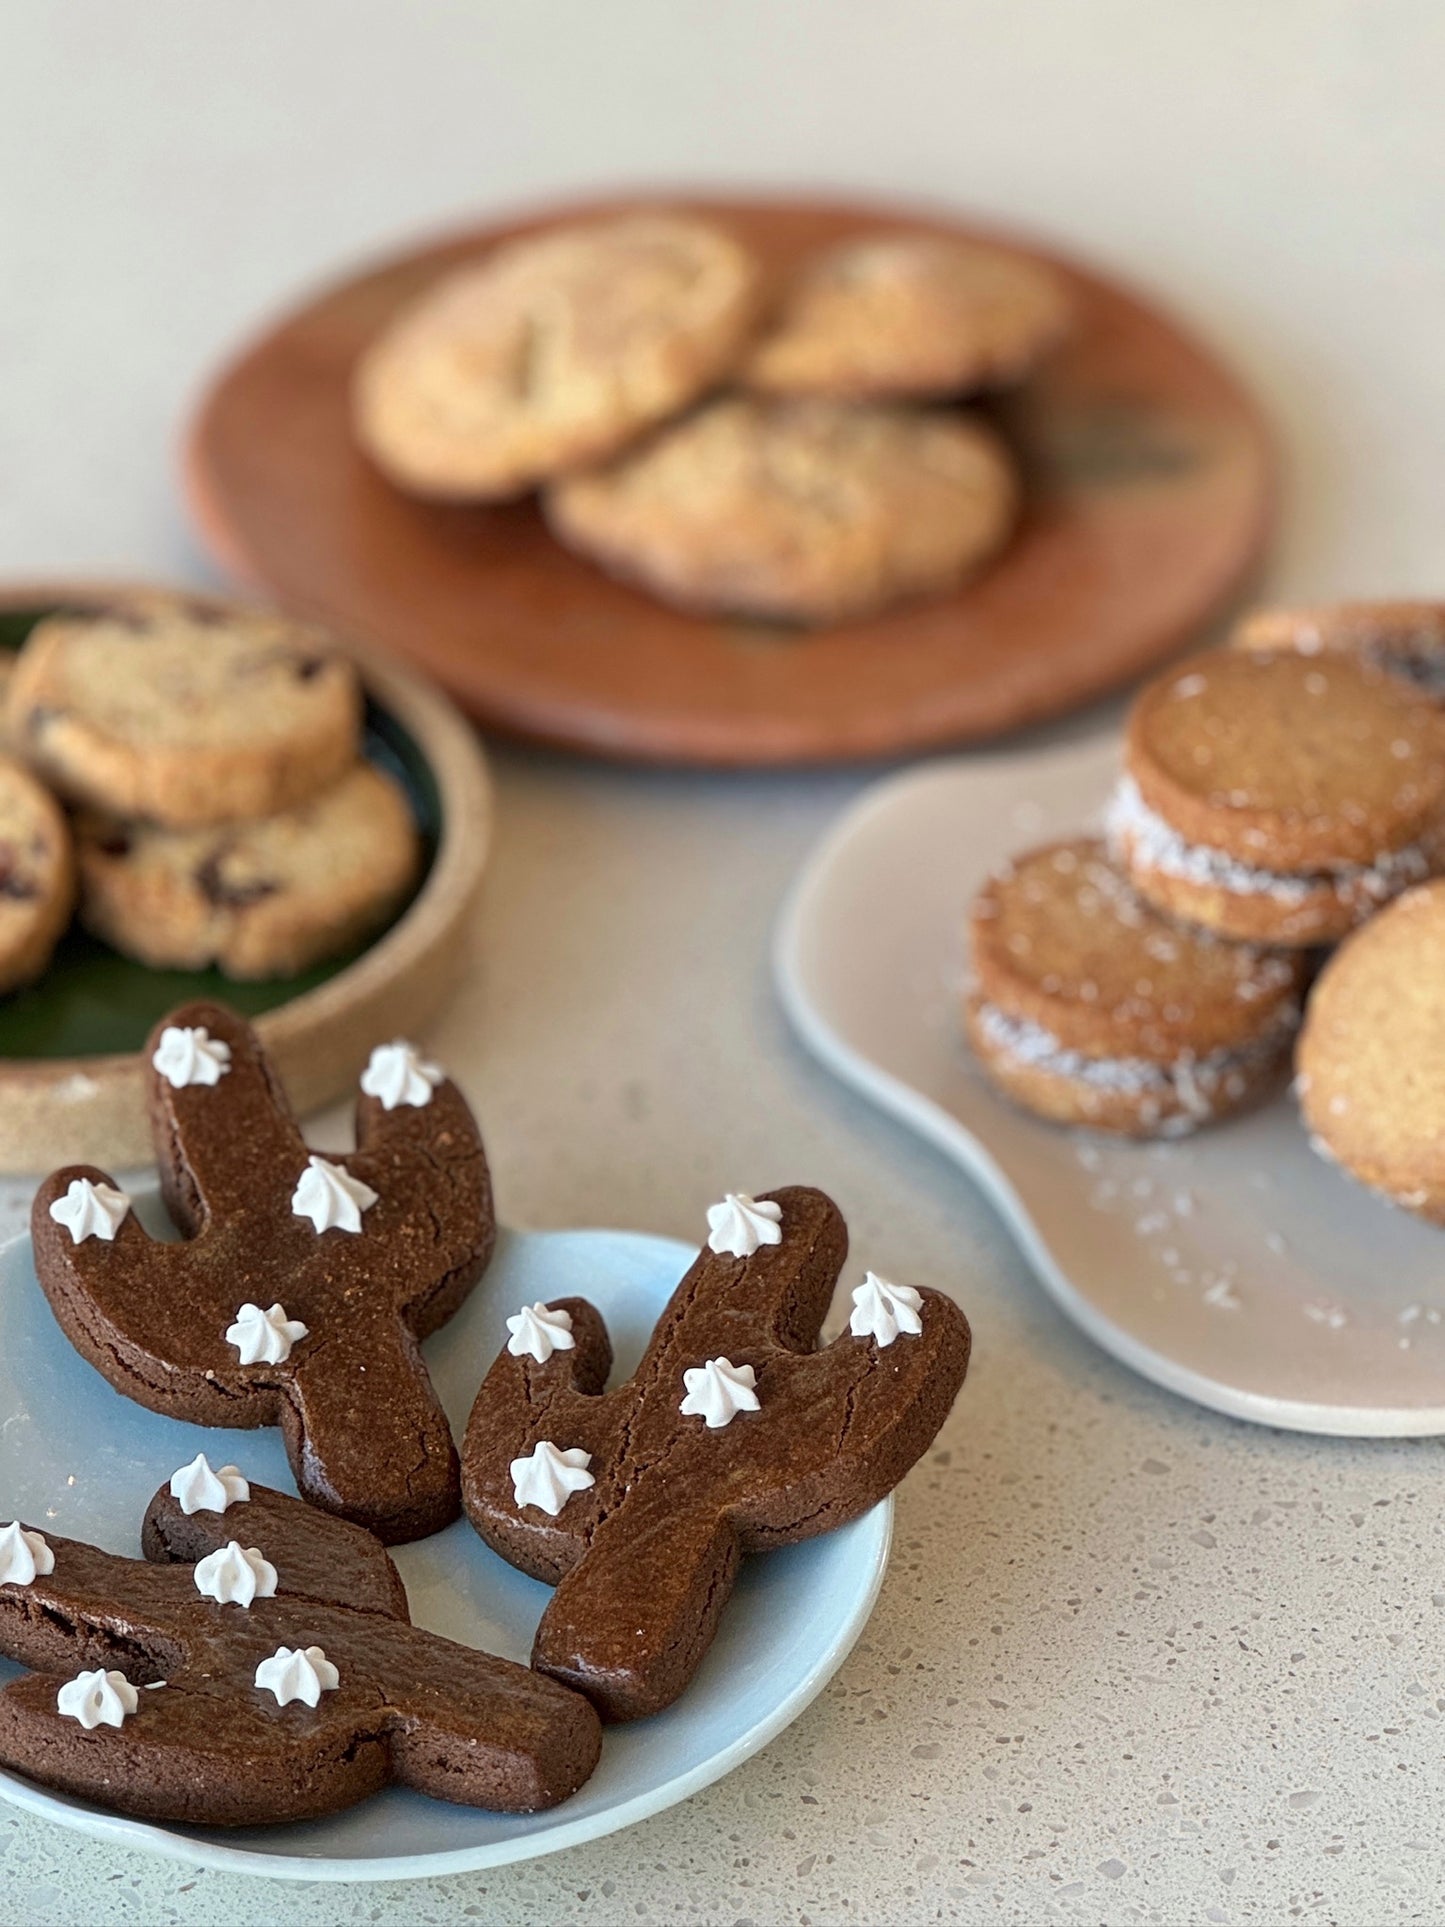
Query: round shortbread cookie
(183, 712)
(37, 875)
(1088, 1007)
(1277, 798)
(554, 350)
(1405, 638)
(1371, 1056)
(805, 511)
(909, 315)
(259, 899)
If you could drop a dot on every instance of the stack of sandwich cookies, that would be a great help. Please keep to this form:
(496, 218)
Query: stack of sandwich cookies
(1279, 798)
(214, 758)
(1371, 1058)
(1090, 1007)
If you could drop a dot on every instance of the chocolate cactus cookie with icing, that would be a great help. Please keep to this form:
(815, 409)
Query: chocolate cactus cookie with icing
(1278, 798)
(221, 1682)
(733, 1435)
(1089, 1007)
(301, 1286)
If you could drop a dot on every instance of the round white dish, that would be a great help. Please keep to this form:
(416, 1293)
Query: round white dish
(76, 1455)
(1234, 1267)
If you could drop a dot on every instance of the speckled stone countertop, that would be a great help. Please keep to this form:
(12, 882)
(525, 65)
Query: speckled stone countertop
(1133, 1662)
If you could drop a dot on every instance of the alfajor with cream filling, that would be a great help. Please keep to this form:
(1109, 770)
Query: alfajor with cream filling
(1086, 1006)
(1279, 798)
(1406, 639)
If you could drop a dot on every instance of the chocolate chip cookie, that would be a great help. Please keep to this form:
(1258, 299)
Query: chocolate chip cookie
(909, 315)
(554, 350)
(37, 875)
(258, 899)
(1405, 638)
(183, 711)
(805, 511)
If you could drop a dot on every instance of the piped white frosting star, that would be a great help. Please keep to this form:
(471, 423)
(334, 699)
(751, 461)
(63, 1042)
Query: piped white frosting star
(23, 1555)
(90, 1210)
(191, 1056)
(196, 1488)
(718, 1391)
(234, 1575)
(738, 1225)
(331, 1197)
(297, 1673)
(397, 1073)
(884, 1311)
(547, 1477)
(264, 1337)
(98, 1698)
(538, 1331)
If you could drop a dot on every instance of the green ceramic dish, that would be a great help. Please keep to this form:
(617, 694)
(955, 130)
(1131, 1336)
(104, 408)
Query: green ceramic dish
(92, 1001)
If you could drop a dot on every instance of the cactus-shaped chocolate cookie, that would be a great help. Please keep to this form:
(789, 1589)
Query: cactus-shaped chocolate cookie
(733, 1435)
(301, 1286)
(262, 1668)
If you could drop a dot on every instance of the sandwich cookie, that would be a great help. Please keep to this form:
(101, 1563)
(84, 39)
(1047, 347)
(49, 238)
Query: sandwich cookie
(1279, 798)
(1088, 1007)
(1371, 1057)
(1405, 638)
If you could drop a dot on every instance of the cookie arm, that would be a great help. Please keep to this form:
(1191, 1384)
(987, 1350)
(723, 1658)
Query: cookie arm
(315, 1555)
(430, 1155)
(520, 1402)
(212, 1139)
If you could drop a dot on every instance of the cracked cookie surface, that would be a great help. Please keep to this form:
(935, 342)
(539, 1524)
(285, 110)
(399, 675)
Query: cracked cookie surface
(553, 350)
(807, 511)
(909, 316)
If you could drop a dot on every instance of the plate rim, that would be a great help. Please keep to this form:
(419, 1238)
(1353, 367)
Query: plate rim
(153, 1837)
(937, 1125)
(612, 732)
(309, 1034)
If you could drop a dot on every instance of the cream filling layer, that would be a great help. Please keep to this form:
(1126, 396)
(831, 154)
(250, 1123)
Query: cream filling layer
(1196, 1085)
(1135, 832)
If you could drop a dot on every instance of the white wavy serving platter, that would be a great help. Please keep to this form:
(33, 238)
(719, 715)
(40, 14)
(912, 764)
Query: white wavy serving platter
(76, 1455)
(1234, 1267)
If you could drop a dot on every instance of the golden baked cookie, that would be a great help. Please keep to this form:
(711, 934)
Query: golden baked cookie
(552, 351)
(1405, 638)
(1371, 1056)
(1279, 798)
(899, 315)
(259, 899)
(182, 712)
(805, 511)
(37, 875)
(1088, 1007)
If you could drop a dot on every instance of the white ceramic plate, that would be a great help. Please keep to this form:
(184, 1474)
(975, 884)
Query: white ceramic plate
(78, 1456)
(1234, 1267)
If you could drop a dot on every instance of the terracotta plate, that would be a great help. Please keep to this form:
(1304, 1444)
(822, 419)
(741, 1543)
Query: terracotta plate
(72, 1088)
(1149, 499)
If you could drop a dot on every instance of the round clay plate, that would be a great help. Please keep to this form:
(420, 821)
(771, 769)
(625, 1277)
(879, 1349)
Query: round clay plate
(1148, 484)
(790, 1624)
(1235, 1267)
(72, 1089)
